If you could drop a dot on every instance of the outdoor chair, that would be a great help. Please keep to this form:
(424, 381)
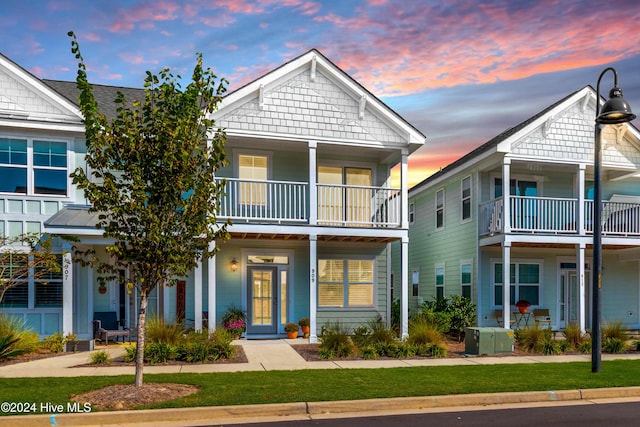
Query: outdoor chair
(499, 318)
(106, 325)
(542, 317)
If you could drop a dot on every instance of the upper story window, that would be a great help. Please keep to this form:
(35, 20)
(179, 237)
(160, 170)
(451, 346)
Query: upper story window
(412, 213)
(252, 168)
(466, 198)
(50, 167)
(48, 162)
(13, 165)
(440, 209)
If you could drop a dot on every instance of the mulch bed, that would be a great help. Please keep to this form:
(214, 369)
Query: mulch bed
(239, 357)
(455, 349)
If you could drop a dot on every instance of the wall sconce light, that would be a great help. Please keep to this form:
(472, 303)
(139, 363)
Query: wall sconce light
(233, 265)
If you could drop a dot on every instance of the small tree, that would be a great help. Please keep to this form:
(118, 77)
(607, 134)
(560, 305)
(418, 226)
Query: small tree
(22, 255)
(152, 181)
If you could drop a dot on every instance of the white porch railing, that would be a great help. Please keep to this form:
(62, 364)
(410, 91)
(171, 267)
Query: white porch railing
(288, 202)
(557, 215)
(277, 201)
(358, 206)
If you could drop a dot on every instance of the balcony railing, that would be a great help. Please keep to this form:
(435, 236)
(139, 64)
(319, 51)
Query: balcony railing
(268, 201)
(358, 206)
(288, 202)
(557, 215)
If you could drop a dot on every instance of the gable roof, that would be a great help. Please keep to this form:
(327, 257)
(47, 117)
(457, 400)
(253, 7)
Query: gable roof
(498, 142)
(313, 61)
(27, 101)
(104, 95)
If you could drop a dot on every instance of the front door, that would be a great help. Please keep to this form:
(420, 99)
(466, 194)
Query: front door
(569, 298)
(262, 300)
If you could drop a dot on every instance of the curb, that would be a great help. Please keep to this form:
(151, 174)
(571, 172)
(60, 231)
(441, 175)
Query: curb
(311, 409)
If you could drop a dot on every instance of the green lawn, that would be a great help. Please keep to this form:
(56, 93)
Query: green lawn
(344, 384)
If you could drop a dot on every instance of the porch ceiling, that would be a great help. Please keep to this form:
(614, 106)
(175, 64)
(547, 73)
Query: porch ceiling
(305, 237)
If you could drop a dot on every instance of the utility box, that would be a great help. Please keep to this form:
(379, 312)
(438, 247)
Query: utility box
(488, 341)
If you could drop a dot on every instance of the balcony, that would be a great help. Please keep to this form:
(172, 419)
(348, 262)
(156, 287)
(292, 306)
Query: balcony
(557, 216)
(288, 202)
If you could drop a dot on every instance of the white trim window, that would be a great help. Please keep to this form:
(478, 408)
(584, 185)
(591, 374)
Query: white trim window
(439, 277)
(465, 201)
(252, 169)
(47, 161)
(526, 276)
(45, 291)
(345, 283)
(440, 209)
(466, 277)
(415, 282)
(412, 213)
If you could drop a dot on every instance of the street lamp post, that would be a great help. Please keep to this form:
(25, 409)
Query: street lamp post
(615, 110)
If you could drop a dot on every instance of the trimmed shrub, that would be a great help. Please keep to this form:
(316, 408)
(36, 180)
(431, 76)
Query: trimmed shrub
(450, 315)
(159, 352)
(130, 353)
(54, 342)
(99, 357)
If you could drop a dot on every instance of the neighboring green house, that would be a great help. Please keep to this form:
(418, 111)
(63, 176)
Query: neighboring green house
(308, 189)
(464, 223)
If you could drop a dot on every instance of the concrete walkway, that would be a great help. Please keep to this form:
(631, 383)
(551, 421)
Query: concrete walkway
(279, 355)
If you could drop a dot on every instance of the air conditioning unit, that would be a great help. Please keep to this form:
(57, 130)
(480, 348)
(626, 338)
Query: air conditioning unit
(488, 341)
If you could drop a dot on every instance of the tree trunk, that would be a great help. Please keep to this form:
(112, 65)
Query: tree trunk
(142, 317)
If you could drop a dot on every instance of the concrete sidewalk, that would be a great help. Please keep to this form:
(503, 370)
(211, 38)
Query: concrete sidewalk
(279, 355)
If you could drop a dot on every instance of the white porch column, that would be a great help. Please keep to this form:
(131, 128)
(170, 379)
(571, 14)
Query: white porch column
(404, 292)
(313, 188)
(582, 292)
(89, 275)
(580, 210)
(506, 197)
(506, 283)
(197, 296)
(67, 291)
(404, 190)
(211, 288)
(313, 288)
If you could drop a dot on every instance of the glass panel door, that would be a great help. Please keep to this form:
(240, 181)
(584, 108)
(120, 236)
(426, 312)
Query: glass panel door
(262, 300)
(358, 200)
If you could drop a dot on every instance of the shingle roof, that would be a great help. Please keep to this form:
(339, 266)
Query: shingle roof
(105, 95)
(493, 142)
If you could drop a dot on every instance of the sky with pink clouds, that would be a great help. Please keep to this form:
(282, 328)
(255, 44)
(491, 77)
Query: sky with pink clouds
(461, 71)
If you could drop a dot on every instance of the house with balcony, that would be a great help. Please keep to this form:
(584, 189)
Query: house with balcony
(512, 220)
(307, 190)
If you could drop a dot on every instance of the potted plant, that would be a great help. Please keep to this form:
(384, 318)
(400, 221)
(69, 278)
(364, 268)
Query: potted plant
(292, 330)
(522, 305)
(304, 325)
(233, 320)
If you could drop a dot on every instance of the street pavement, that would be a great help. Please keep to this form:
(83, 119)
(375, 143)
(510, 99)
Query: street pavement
(267, 355)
